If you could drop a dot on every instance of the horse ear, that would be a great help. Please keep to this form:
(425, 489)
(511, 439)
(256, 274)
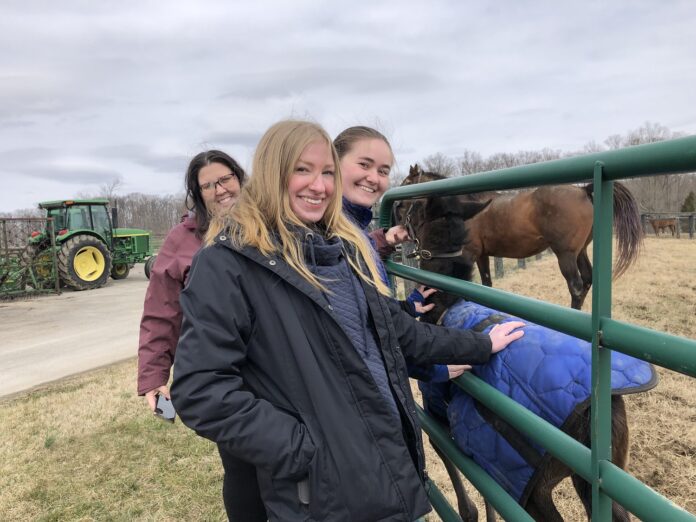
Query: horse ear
(469, 209)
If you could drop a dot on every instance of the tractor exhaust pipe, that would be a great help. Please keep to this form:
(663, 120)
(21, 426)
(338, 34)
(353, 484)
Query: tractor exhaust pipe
(114, 217)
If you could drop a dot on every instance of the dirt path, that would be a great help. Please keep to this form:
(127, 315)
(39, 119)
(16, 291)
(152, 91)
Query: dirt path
(50, 337)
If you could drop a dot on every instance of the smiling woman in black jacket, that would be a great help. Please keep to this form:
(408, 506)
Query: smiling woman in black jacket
(292, 355)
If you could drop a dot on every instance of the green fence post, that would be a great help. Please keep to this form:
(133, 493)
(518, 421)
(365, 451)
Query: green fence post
(601, 357)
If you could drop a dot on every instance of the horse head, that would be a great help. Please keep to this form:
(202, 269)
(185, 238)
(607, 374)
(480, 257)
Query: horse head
(442, 234)
(415, 206)
(438, 225)
(416, 174)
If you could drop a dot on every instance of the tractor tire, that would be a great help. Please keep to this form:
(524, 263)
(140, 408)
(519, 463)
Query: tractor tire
(120, 271)
(37, 262)
(149, 264)
(84, 262)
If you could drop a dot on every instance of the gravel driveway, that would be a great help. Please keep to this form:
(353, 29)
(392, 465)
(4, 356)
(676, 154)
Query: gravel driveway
(47, 338)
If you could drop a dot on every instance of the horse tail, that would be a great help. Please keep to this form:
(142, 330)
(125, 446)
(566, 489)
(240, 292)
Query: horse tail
(627, 226)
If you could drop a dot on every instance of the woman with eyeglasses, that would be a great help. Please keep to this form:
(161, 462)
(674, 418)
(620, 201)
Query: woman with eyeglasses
(213, 182)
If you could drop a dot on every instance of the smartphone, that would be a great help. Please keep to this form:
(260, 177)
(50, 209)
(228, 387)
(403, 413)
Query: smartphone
(303, 491)
(164, 408)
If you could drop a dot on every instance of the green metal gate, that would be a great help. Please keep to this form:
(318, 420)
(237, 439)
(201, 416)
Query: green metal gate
(606, 334)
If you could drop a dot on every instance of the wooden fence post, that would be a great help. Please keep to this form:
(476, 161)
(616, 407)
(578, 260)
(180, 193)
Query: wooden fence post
(644, 222)
(678, 226)
(498, 267)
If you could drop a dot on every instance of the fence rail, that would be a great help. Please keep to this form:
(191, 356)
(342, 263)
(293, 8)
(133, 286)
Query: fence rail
(679, 354)
(681, 221)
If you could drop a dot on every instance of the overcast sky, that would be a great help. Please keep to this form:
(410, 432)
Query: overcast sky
(91, 91)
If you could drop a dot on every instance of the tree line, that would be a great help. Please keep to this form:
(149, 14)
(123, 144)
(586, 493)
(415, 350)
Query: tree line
(668, 193)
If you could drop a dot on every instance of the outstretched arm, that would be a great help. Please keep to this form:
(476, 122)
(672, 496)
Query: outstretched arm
(424, 343)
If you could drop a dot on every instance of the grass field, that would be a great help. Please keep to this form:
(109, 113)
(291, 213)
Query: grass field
(88, 448)
(659, 292)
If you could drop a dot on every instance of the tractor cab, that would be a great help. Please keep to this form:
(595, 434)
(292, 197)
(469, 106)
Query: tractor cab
(71, 216)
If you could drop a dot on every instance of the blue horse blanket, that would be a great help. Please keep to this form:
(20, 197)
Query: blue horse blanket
(546, 371)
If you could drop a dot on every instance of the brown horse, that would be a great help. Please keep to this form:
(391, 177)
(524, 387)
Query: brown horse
(659, 225)
(557, 217)
(441, 226)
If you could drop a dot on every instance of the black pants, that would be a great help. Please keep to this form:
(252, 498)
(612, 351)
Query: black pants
(240, 491)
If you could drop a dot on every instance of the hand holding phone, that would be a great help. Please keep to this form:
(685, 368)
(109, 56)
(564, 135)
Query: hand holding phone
(164, 408)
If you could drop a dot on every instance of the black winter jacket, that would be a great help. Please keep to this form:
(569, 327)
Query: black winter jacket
(263, 368)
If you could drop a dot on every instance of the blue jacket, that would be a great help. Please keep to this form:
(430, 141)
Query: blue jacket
(362, 216)
(546, 371)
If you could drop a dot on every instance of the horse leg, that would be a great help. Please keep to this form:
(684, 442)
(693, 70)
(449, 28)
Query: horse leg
(540, 504)
(567, 262)
(467, 509)
(619, 441)
(619, 446)
(484, 266)
(585, 268)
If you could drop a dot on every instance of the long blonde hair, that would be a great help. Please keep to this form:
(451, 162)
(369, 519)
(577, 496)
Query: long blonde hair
(263, 209)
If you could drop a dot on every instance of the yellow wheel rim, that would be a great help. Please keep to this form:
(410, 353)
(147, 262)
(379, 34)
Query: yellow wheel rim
(120, 269)
(89, 263)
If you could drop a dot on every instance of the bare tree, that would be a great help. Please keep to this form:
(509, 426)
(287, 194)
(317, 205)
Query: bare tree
(470, 162)
(441, 164)
(109, 189)
(396, 177)
(654, 193)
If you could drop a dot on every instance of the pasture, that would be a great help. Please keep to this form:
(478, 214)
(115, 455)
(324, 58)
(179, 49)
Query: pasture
(658, 292)
(88, 449)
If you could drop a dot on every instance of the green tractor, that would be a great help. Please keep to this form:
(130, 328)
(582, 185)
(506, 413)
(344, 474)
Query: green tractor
(87, 246)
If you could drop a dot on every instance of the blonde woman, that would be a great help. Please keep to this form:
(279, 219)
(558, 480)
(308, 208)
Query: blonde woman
(292, 355)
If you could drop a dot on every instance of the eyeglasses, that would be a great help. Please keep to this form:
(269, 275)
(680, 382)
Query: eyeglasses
(223, 181)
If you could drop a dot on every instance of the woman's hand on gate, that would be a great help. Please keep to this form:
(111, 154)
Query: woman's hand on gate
(396, 235)
(502, 334)
(418, 297)
(455, 370)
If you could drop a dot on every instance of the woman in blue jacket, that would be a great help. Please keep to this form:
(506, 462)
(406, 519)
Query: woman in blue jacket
(292, 355)
(366, 161)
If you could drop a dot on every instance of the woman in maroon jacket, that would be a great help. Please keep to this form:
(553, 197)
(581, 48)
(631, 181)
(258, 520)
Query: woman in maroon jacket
(213, 182)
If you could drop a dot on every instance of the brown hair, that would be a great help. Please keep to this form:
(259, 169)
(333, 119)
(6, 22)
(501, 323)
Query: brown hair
(346, 139)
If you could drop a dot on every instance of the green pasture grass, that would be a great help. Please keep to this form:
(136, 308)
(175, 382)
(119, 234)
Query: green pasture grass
(89, 449)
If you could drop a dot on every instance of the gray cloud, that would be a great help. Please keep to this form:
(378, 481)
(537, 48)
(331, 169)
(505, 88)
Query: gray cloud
(245, 139)
(92, 90)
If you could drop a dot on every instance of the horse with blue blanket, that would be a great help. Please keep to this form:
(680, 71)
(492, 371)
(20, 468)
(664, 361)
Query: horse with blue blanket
(546, 371)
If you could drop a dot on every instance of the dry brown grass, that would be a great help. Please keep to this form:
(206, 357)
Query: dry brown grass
(86, 448)
(659, 292)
